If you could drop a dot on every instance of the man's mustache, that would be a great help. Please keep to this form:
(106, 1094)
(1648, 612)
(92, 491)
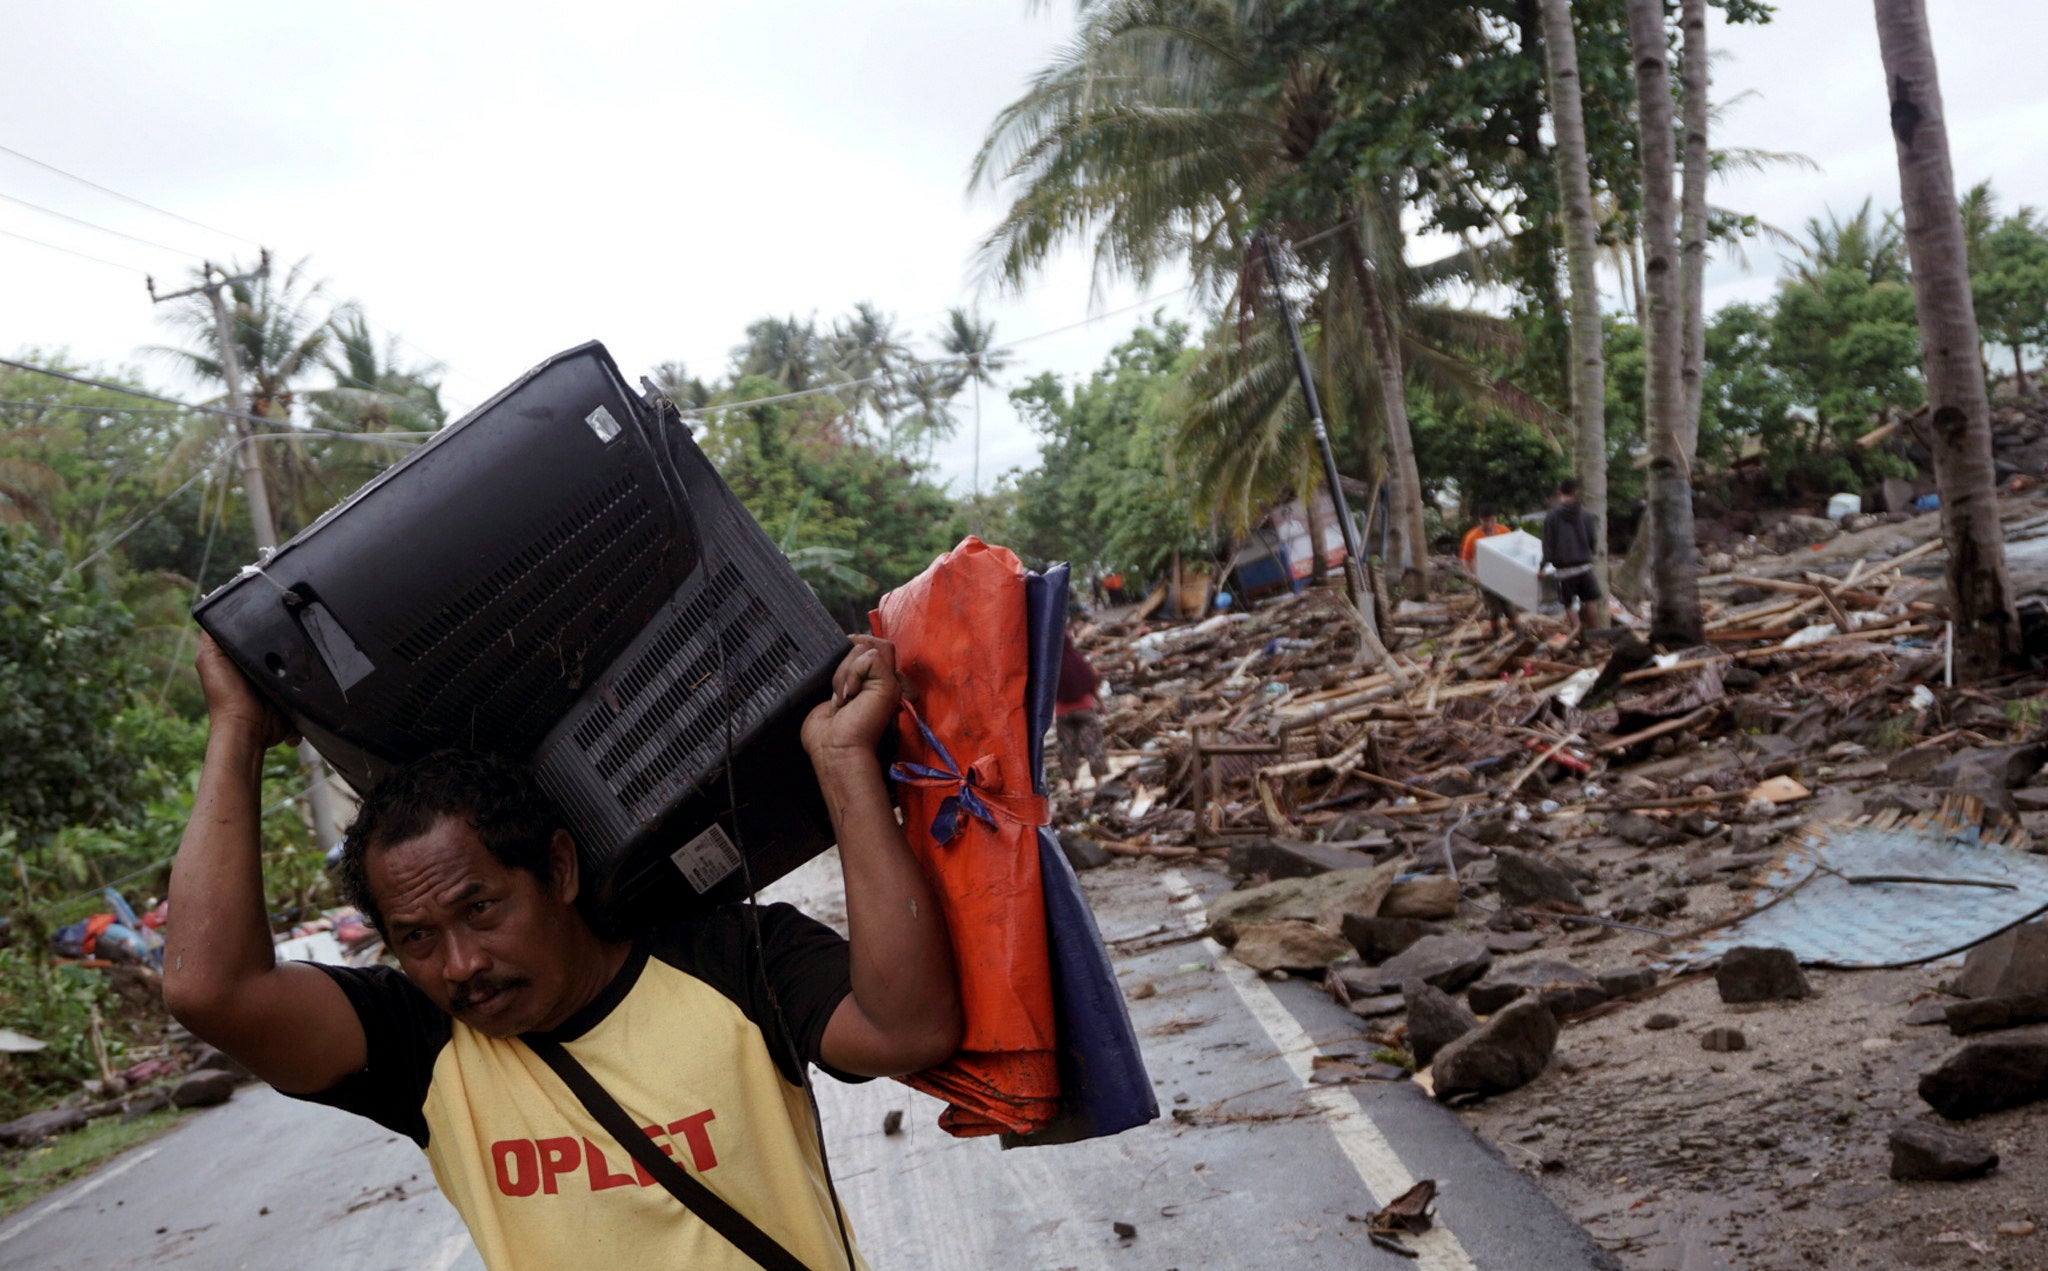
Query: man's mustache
(469, 992)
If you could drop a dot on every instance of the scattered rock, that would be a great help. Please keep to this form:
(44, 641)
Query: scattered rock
(1801, 531)
(144, 1102)
(1378, 938)
(212, 1059)
(1287, 858)
(2002, 767)
(1624, 983)
(1661, 1021)
(1435, 1019)
(1083, 852)
(1924, 1153)
(1504, 943)
(2017, 1227)
(1448, 962)
(1323, 900)
(1526, 880)
(1986, 1014)
(1988, 1075)
(892, 1122)
(1506, 1052)
(1564, 988)
(1380, 1004)
(2011, 964)
(36, 1126)
(1723, 1039)
(1927, 1011)
(203, 1089)
(1639, 830)
(1288, 945)
(1751, 974)
(1433, 896)
(1124, 1230)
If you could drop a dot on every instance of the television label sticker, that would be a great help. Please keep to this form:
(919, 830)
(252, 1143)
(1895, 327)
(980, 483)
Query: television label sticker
(707, 859)
(602, 423)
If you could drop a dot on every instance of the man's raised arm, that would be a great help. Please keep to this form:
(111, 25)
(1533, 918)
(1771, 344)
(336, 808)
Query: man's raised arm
(290, 1025)
(903, 1014)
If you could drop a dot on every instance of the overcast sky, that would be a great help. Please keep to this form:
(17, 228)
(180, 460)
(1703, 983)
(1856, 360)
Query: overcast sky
(497, 182)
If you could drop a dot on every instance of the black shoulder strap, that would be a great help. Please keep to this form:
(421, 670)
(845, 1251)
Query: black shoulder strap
(695, 1196)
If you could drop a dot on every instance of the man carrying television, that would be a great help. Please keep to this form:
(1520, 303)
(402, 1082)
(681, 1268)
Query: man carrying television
(701, 1033)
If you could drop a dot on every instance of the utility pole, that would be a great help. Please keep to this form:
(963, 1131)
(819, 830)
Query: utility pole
(327, 827)
(1354, 559)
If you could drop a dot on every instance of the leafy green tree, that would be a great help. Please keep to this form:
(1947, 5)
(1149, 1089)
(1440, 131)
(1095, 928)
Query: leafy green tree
(2010, 286)
(1847, 341)
(1106, 494)
(856, 519)
(62, 682)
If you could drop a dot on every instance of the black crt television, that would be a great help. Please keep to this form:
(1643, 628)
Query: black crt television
(561, 577)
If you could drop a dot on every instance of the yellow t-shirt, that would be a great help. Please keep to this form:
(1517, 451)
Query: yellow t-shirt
(681, 1039)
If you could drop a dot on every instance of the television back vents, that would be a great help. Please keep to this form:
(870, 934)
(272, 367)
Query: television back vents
(561, 577)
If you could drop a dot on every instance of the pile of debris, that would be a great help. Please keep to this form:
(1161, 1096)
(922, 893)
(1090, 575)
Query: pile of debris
(1503, 841)
(1260, 726)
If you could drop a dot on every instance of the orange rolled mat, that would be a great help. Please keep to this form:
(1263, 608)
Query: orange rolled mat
(971, 816)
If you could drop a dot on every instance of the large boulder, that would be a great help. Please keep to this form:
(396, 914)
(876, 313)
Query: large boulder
(1290, 858)
(1504, 1053)
(1288, 945)
(203, 1089)
(1431, 896)
(2012, 963)
(1526, 880)
(1989, 1075)
(1323, 900)
(1435, 1019)
(1448, 962)
(1933, 1153)
(1751, 974)
(1378, 938)
(36, 1126)
(1562, 987)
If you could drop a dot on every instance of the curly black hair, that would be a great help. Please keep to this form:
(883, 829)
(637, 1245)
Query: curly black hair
(500, 799)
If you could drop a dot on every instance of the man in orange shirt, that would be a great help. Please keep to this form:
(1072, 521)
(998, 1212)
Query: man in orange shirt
(1499, 611)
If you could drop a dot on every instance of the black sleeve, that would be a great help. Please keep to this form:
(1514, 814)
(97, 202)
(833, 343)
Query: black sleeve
(805, 969)
(1549, 538)
(404, 1032)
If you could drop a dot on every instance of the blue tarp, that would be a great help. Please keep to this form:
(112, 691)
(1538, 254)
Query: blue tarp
(1104, 1088)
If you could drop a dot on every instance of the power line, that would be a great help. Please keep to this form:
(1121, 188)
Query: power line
(99, 410)
(72, 251)
(79, 220)
(266, 421)
(125, 198)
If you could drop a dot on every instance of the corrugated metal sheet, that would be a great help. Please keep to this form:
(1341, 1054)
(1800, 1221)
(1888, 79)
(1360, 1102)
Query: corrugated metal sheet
(1806, 903)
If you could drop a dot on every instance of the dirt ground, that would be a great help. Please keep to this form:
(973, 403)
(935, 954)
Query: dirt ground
(1677, 1158)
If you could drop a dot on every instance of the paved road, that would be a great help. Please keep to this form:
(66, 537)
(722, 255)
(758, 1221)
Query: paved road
(1263, 1169)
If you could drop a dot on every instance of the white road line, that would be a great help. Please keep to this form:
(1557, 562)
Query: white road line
(1379, 1168)
(77, 1194)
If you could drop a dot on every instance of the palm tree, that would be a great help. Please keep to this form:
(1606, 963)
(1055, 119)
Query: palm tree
(1696, 107)
(785, 350)
(865, 351)
(971, 343)
(1674, 560)
(1589, 374)
(1162, 130)
(921, 411)
(1987, 632)
(280, 338)
(1863, 243)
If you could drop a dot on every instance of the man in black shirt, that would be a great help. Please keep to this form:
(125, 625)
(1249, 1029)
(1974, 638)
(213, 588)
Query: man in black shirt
(699, 1032)
(1568, 539)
